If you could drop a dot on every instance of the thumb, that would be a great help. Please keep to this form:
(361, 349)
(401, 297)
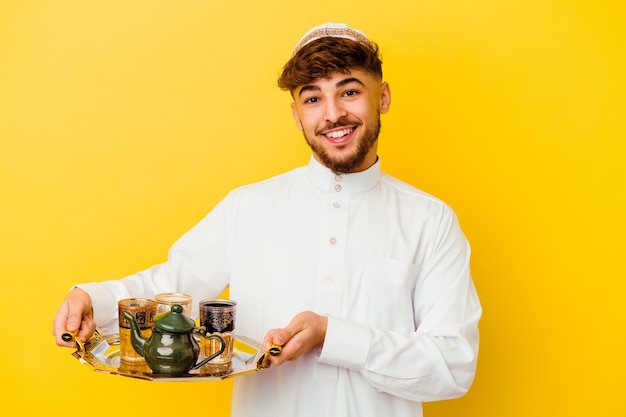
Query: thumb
(73, 320)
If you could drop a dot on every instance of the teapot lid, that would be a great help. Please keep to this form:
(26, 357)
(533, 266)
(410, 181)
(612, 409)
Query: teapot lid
(174, 321)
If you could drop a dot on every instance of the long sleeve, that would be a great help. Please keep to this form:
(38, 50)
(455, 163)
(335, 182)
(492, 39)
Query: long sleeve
(435, 360)
(197, 264)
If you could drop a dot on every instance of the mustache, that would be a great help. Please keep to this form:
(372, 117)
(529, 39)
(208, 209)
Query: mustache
(344, 121)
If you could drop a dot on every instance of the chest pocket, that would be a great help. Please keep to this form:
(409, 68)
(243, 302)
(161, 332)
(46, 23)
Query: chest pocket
(390, 285)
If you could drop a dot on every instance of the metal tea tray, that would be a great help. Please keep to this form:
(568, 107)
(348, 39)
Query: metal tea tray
(102, 353)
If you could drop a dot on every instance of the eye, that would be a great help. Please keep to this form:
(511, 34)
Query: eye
(351, 93)
(311, 100)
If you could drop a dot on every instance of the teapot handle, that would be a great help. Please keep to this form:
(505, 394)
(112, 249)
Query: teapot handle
(216, 354)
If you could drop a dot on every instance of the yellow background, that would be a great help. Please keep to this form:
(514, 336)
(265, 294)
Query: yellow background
(123, 122)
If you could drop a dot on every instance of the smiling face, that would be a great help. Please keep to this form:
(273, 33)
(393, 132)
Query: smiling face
(340, 118)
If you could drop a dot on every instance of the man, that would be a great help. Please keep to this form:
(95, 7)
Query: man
(370, 275)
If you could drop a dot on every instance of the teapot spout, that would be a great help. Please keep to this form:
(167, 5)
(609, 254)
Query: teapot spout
(137, 339)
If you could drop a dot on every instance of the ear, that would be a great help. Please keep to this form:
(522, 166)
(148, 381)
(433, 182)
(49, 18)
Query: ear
(385, 98)
(296, 117)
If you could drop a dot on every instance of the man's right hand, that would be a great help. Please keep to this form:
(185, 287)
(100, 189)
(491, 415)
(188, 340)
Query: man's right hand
(75, 315)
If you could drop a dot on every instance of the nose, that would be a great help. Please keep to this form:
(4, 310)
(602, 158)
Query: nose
(334, 110)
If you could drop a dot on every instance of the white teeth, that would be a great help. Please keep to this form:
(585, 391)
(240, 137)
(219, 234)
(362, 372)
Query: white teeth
(338, 133)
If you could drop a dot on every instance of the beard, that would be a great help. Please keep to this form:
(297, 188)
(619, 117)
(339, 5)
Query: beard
(348, 162)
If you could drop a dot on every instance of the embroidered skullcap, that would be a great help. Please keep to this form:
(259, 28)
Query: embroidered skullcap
(335, 30)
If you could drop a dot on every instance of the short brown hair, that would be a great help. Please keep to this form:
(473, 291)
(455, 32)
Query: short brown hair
(327, 56)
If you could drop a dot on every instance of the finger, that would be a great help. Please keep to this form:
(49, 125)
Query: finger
(59, 327)
(80, 314)
(87, 328)
(74, 319)
(272, 338)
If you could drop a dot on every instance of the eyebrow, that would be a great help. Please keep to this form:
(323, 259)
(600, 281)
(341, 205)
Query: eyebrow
(314, 87)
